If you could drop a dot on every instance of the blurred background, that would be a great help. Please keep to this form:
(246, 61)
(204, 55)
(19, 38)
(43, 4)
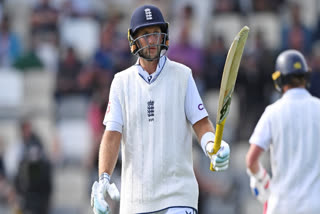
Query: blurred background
(58, 58)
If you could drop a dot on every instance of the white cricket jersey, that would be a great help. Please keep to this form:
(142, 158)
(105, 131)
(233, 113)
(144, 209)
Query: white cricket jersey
(157, 166)
(291, 128)
(194, 107)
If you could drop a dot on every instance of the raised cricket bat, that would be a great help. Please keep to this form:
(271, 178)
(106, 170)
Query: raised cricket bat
(229, 76)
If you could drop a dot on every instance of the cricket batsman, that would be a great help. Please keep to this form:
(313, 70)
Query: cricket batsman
(153, 107)
(290, 127)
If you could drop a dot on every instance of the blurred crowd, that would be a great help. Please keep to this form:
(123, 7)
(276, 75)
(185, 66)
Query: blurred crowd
(81, 44)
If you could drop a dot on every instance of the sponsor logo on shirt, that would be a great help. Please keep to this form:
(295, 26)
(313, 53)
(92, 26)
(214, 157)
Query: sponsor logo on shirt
(200, 107)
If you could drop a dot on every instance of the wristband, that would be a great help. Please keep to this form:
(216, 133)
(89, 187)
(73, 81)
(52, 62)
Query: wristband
(104, 176)
(207, 137)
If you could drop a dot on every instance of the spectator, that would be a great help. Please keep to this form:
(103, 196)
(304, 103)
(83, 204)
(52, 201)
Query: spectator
(316, 31)
(250, 87)
(7, 194)
(99, 73)
(44, 21)
(191, 17)
(3, 180)
(1, 8)
(2, 171)
(10, 47)
(103, 57)
(120, 48)
(29, 59)
(296, 35)
(78, 8)
(215, 58)
(253, 83)
(69, 69)
(266, 5)
(33, 182)
(314, 84)
(224, 6)
(185, 52)
(265, 58)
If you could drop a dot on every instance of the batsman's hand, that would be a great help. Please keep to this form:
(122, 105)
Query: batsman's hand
(259, 184)
(98, 193)
(220, 160)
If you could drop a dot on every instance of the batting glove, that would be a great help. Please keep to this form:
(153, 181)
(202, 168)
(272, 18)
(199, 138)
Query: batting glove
(220, 160)
(98, 194)
(259, 184)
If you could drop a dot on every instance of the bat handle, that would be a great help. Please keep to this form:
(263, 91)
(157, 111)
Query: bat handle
(217, 140)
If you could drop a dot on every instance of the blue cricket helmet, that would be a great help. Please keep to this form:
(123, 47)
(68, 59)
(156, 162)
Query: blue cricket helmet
(290, 63)
(145, 16)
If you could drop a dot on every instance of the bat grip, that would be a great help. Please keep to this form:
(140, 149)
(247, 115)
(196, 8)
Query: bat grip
(218, 137)
(217, 140)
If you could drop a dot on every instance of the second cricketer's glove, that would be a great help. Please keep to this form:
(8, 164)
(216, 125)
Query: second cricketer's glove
(99, 191)
(259, 184)
(220, 160)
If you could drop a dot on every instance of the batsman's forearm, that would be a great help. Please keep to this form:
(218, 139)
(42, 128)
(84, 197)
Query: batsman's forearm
(108, 152)
(202, 126)
(254, 167)
(252, 158)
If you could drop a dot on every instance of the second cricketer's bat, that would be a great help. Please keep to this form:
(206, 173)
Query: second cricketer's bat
(229, 77)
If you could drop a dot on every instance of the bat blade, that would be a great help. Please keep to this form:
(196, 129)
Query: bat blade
(229, 77)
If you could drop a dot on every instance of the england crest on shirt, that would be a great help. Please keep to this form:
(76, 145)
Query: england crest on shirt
(150, 110)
